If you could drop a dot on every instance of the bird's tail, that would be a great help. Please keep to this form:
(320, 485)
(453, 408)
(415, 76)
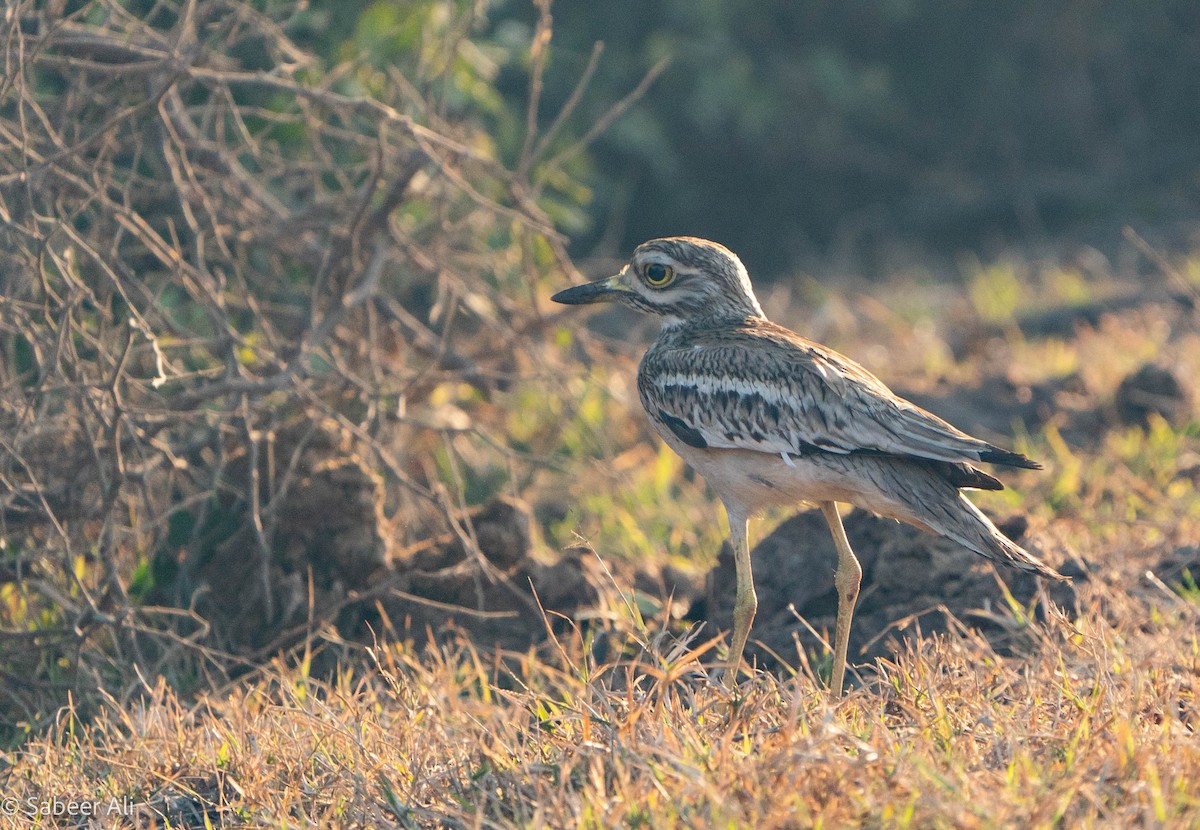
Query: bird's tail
(922, 497)
(966, 524)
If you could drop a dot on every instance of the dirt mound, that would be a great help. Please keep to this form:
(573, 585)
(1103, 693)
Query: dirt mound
(325, 544)
(491, 589)
(318, 546)
(907, 577)
(248, 569)
(1152, 390)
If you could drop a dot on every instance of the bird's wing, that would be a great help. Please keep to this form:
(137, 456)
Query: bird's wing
(762, 387)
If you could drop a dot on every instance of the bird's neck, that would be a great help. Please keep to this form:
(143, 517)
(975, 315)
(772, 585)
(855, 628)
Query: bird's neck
(672, 326)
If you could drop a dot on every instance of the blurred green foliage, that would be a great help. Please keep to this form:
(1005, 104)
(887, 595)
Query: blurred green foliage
(801, 130)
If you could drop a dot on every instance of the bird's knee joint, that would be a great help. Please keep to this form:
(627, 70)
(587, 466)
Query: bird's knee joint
(848, 582)
(745, 605)
(746, 595)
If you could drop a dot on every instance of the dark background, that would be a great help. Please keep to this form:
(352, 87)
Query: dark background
(865, 134)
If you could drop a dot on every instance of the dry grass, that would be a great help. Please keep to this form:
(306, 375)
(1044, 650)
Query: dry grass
(1095, 725)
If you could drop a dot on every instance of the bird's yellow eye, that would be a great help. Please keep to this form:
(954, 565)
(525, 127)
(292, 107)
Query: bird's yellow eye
(658, 274)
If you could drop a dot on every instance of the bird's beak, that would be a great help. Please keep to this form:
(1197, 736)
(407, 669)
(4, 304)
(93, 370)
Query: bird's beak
(600, 291)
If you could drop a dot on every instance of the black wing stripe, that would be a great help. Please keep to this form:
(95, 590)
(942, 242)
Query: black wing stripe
(683, 432)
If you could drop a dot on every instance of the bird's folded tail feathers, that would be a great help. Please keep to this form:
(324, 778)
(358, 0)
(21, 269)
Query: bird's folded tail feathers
(966, 524)
(931, 501)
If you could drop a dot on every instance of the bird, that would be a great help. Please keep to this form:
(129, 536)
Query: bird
(768, 417)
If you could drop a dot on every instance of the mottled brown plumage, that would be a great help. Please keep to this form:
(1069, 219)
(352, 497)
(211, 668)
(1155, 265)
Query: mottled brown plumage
(770, 417)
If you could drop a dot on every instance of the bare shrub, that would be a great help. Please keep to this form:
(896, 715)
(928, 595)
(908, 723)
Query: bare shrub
(249, 305)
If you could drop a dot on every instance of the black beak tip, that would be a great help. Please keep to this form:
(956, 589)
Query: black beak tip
(563, 297)
(589, 292)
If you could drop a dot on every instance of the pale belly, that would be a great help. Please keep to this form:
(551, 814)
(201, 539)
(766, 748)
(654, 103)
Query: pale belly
(754, 481)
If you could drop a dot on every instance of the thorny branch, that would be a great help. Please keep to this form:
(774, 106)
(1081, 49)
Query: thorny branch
(222, 270)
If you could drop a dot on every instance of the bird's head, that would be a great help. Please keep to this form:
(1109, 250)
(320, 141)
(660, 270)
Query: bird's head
(680, 278)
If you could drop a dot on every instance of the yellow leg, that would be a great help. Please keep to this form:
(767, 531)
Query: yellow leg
(745, 604)
(846, 579)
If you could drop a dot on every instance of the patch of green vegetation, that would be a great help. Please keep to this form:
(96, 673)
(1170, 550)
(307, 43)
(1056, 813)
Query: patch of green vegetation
(1188, 588)
(997, 291)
